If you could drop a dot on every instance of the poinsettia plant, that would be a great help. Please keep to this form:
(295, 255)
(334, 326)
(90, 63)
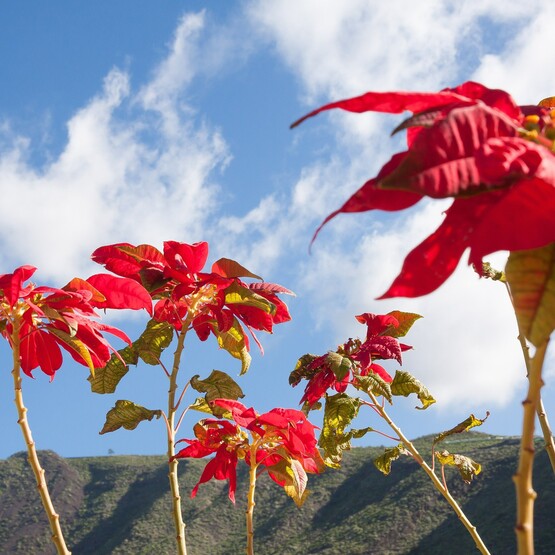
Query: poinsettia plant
(186, 297)
(38, 320)
(280, 442)
(351, 370)
(496, 160)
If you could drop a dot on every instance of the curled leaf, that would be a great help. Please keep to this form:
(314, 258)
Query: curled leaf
(404, 384)
(467, 467)
(464, 426)
(218, 385)
(128, 415)
(383, 462)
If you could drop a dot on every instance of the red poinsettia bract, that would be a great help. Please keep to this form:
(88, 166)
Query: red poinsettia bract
(476, 145)
(281, 442)
(338, 369)
(217, 302)
(43, 319)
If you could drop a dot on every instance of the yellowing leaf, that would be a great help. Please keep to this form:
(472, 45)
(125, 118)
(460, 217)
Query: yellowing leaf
(233, 341)
(465, 465)
(405, 319)
(375, 384)
(404, 384)
(201, 405)
(339, 411)
(531, 278)
(128, 415)
(237, 294)
(156, 337)
(106, 379)
(218, 385)
(75, 344)
(464, 426)
(383, 462)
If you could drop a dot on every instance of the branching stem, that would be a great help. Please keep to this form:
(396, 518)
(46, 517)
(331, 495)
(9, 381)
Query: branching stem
(435, 480)
(525, 493)
(38, 471)
(540, 409)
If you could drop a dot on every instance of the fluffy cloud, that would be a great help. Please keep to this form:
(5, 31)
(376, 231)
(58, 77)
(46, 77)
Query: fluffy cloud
(340, 49)
(136, 167)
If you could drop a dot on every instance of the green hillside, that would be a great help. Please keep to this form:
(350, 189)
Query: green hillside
(121, 504)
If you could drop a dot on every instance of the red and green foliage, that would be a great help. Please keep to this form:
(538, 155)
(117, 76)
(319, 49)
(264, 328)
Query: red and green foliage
(217, 302)
(474, 144)
(281, 442)
(44, 319)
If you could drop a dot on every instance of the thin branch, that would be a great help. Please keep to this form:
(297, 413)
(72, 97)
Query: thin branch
(435, 480)
(540, 409)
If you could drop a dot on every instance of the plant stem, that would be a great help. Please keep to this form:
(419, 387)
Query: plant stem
(250, 501)
(525, 493)
(173, 463)
(431, 474)
(540, 409)
(38, 471)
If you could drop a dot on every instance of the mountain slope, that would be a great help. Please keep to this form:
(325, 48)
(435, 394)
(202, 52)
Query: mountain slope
(121, 505)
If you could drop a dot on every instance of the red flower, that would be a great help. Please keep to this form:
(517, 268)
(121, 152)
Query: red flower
(43, 319)
(217, 302)
(281, 438)
(476, 145)
(338, 369)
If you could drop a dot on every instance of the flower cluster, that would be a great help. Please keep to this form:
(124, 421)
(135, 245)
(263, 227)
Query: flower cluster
(355, 358)
(476, 145)
(39, 320)
(217, 302)
(281, 441)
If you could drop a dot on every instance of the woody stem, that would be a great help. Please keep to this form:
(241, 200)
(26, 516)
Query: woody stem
(431, 474)
(38, 471)
(173, 463)
(250, 501)
(525, 493)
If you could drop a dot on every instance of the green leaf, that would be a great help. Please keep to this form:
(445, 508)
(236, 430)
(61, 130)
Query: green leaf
(201, 405)
(383, 462)
(128, 415)
(464, 426)
(375, 384)
(465, 465)
(237, 294)
(156, 337)
(218, 385)
(531, 278)
(302, 370)
(149, 346)
(231, 269)
(339, 364)
(106, 379)
(405, 319)
(339, 412)
(404, 384)
(233, 341)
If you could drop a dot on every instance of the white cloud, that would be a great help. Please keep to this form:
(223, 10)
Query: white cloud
(525, 67)
(112, 182)
(466, 349)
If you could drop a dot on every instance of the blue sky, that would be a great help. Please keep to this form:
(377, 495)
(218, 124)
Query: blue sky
(138, 122)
